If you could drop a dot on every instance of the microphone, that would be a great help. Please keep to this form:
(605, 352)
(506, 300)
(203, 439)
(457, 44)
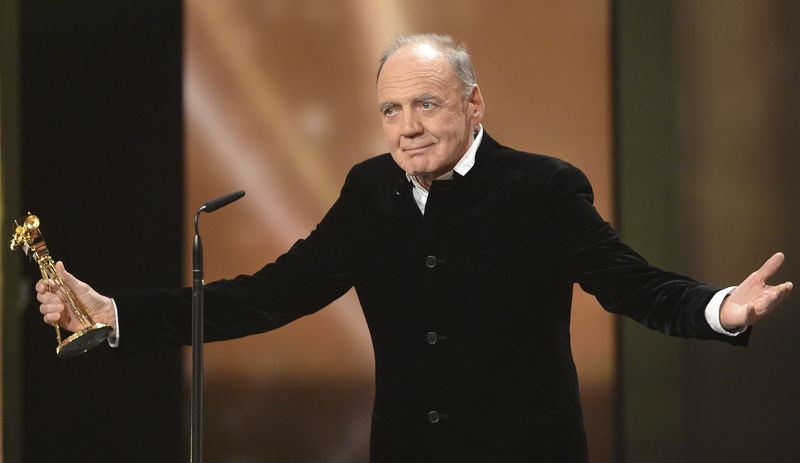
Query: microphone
(196, 440)
(213, 204)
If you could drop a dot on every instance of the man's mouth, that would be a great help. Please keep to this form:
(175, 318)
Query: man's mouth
(417, 150)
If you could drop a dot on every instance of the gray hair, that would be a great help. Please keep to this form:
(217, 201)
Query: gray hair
(456, 53)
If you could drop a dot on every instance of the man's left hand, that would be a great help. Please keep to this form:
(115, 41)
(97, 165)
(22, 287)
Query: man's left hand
(754, 298)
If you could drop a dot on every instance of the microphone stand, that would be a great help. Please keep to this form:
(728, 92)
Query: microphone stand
(197, 343)
(197, 325)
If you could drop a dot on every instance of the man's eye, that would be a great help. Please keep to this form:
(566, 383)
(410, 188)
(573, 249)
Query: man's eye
(427, 105)
(388, 111)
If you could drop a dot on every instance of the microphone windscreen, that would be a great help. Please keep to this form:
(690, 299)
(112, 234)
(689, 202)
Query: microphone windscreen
(214, 204)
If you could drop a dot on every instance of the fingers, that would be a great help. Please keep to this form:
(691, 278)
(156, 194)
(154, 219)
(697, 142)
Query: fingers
(779, 292)
(773, 296)
(52, 318)
(51, 306)
(782, 290)
(771, 266)
(44, 286)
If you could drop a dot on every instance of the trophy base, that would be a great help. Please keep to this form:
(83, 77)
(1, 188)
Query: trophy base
(83, 340)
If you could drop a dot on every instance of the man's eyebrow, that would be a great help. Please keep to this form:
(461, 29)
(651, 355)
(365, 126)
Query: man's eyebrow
(425, 97)
(421, 98)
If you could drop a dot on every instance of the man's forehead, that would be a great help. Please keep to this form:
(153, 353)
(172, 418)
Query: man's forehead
(411, 73)
(413, 87)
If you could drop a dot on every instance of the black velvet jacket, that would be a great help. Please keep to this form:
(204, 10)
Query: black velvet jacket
(468, 306)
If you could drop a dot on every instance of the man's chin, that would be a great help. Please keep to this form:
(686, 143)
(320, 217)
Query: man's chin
(417, 168)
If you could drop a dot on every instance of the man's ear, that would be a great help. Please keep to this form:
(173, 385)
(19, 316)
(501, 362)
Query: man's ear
(476, 105)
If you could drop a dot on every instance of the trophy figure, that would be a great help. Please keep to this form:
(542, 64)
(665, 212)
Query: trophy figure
(28, 237)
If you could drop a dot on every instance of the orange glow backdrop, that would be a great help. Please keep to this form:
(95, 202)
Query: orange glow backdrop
(279, 100)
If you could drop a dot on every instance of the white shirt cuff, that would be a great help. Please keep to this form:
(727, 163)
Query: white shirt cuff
(712, 311)
(113, 339)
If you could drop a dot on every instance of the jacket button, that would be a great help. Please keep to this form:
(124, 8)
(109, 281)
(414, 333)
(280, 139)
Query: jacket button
(430, 261)
(433, 416)
(431, 337)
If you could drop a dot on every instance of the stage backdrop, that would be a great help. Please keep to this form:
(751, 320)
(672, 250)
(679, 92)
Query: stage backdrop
(279, 101)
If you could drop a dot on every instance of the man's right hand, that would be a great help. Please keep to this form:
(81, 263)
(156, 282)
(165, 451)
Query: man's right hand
(55, 309)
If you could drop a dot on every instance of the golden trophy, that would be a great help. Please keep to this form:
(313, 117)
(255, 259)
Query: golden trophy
(28, 237)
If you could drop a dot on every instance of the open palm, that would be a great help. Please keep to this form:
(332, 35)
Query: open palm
(754, 298)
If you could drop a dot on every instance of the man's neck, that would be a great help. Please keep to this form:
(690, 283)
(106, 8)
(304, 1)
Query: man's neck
(425, 180)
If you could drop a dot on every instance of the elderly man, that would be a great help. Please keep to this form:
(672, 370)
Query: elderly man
(463, 253)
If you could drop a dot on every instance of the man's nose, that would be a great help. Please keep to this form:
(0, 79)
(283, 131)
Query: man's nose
(411, 124)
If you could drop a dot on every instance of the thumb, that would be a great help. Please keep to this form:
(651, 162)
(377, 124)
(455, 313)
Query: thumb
(67, 277)
(771, 266)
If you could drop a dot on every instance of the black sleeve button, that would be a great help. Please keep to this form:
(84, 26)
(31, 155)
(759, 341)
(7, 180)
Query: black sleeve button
(431, 337)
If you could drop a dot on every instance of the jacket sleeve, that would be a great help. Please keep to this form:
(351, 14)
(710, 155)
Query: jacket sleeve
(312, 274)
(588, 251)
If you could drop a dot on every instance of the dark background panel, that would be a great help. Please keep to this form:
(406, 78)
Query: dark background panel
(707, 135)
(101, 160)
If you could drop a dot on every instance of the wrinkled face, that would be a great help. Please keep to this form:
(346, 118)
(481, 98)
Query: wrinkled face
(426, 121)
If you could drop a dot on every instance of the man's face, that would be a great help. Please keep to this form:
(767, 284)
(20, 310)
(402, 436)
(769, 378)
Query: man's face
(426, 121)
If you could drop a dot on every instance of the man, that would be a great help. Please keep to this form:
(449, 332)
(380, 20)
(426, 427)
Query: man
(463, 253)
